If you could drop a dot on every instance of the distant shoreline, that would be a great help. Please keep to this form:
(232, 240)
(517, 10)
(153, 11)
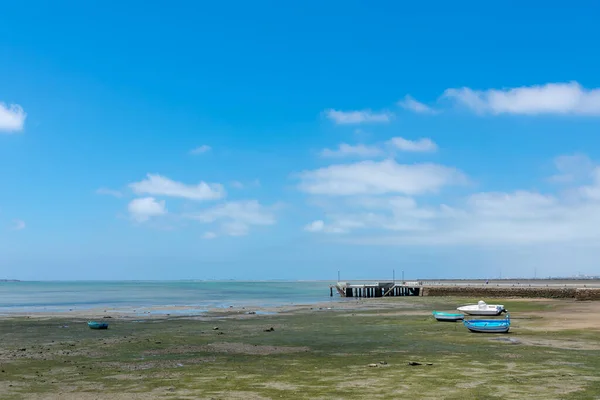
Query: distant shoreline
(429, 280)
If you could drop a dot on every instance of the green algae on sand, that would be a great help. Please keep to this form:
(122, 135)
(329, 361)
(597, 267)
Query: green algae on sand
(309, 354)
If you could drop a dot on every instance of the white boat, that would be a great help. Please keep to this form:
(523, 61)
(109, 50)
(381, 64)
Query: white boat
(482, 308)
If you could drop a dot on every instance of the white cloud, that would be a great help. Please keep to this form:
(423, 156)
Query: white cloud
(519, 218)
(209, 235)
(12, 118)
(394, 213)
(200, 150)
(144, 208)
(109, 192)
(551, 98)
(236, 217)
(388, 148)
(162, 186)
(359, 150)
(371, 177)
(411, 104)
(420, 145)
(235, 228)
(18, 225)
(572, 167)
(242, 185)
(358, 117)
(315, 226)
(592, 191)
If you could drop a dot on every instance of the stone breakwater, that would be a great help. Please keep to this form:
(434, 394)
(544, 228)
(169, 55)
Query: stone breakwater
(527, 292)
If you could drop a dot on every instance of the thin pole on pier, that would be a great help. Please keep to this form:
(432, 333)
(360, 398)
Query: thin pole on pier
(403, 277)
(338, 275)
(394, 275)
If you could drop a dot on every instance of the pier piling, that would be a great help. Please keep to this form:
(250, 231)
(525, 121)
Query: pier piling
(376, 290)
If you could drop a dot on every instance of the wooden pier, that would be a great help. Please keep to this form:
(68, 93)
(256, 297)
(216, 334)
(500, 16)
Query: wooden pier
(377, 289)
(477, 288)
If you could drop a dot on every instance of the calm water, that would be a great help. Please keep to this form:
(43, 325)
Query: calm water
(197, 295)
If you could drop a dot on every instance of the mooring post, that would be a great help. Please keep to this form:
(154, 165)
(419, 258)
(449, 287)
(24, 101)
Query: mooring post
(330, 291)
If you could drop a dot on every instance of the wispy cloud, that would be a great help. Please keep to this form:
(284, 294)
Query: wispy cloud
(572, 167)
(109, 192)
(371, 177)
(242, 185)
(419, 145)
(12, 118)
(315, 226)
(18, 225)
(209, 235)
(200, 150)
(388, 148)
(236, 217)
(358, 117)
(162, 186)
(359, 150)
(409, 103)
(551, 98)
(144, 208)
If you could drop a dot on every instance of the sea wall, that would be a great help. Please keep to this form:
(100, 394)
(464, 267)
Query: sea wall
(528, 292)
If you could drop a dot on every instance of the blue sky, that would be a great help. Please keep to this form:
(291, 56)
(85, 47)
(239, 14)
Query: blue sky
(268, 141)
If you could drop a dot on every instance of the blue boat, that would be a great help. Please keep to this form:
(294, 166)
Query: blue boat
(444, 316)
(488, 325)
(97, 325)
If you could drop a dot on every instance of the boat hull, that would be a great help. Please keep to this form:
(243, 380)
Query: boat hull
(489, 330)
(447, 317)
(481, 312)
(481, 308)
(98, 325)
(488, 325)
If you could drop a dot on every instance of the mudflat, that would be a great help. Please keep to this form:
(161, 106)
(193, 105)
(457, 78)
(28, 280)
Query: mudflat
(377, 348)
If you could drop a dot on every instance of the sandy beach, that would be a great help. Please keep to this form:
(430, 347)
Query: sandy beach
(329, 350)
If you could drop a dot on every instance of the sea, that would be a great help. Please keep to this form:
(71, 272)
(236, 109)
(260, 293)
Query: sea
(155, 297)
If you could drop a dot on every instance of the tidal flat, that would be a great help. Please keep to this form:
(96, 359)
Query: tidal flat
(352, 350)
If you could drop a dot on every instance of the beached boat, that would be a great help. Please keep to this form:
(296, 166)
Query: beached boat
(444, 316)
(97, 325)
(482, 308)
(488, 325)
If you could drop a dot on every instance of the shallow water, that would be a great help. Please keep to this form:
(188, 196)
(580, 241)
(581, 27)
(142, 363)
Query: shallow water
(178, 296)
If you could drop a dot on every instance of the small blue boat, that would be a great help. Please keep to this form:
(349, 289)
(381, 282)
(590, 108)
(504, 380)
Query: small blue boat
(97, 325)
(444, 316)
(488, 325)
